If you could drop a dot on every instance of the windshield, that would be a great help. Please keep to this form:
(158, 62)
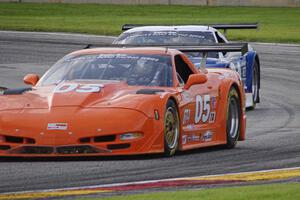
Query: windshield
(170, 37)
(167, 37)
(148, 70)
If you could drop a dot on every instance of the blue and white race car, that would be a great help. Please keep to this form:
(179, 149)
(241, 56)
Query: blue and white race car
(247, 65)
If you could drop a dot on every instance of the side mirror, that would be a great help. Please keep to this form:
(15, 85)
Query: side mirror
(31, 79)
(195, 79)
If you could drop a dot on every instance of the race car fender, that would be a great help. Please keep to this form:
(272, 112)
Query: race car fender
(251, 58)
(227, 84)
(156, 110)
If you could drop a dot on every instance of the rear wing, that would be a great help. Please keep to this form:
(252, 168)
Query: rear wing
(235, 26)
(224, 27)
(226, 47)
(205, 49)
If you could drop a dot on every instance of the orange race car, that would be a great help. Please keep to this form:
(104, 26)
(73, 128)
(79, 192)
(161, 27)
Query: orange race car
(123, 101)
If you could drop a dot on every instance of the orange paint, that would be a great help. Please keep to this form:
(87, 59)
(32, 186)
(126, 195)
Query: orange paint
(44, 123)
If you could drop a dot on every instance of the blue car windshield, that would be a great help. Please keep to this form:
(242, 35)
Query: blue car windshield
(166, 37)
(170, 38)
(135, 69)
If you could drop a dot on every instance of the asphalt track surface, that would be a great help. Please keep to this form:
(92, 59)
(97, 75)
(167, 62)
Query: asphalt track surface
(273, 133)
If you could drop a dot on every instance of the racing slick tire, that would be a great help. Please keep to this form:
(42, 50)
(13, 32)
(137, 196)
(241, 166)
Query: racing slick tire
(233, 118)
(171, 129)
(255, 86)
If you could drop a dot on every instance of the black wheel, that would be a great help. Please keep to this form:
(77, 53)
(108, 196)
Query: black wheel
(255, 86)
(233, 120)
(171, 129)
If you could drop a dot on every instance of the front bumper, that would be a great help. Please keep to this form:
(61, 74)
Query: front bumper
(95, 132)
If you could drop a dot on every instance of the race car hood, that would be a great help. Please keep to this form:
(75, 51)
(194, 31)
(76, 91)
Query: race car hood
(113, 94)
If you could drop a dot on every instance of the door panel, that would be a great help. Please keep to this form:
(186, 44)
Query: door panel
(199, 113)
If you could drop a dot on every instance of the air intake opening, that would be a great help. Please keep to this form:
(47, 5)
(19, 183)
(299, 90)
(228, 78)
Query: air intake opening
(85, 140)
(118, 146)
(85, 149)
(33, 150)
(105, 138)
(30, 141)
(12, 139)
(4, 147)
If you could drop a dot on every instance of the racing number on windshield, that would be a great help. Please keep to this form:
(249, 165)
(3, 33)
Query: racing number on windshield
(202, 108)
(68, 87)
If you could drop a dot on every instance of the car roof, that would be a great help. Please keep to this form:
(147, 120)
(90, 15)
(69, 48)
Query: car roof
(173, 28)
(128, 50)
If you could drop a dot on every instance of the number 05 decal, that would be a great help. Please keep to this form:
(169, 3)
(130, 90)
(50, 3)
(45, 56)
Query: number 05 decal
(202, 108)
(68, 87)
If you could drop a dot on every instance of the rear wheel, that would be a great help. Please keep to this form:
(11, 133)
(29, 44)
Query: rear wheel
(171, 129)
(233, 119)
(255, 85)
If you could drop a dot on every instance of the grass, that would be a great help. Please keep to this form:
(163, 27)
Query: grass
(285, 191)
(277, 24)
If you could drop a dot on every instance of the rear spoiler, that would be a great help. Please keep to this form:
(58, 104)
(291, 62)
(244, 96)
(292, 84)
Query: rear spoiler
(226, 47)
(235, 26)
(224, 27)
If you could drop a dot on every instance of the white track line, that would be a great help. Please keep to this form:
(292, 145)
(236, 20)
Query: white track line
(146, 182)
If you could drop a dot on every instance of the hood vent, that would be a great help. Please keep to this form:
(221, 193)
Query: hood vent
(16, 91)
(149, 91)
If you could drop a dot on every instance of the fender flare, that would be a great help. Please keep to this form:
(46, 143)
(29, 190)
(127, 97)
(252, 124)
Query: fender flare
(229, 83)
(250, 59)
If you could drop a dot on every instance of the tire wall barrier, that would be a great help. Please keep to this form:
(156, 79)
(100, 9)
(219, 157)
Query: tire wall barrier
(266, 3)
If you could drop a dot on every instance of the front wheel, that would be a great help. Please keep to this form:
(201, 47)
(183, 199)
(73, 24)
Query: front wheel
(233, 119)
(171, 129)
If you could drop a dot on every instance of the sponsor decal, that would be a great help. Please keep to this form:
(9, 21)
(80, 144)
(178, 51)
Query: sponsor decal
(228, 74)
(195, 137)
(57, 126)
(191, 127)
(212, 117)
(186, 116)
(179, 97)
(70, 87)
(243, 72)
(207, 136)
(221, 77)
(186, 97)
(214, 102)
(184, 139)
(190, 138)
